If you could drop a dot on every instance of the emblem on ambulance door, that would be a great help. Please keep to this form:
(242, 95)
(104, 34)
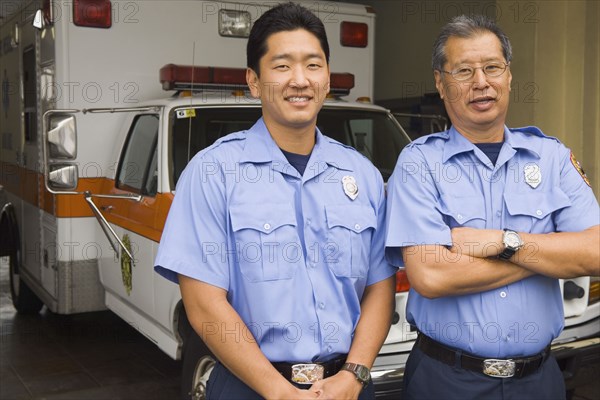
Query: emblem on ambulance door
(350, 186)
(126, 265)
(533, 175)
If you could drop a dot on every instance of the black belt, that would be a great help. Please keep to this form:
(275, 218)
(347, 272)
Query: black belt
(330, 367)
(515, 367)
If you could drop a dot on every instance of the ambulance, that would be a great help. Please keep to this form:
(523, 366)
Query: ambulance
(104, 103)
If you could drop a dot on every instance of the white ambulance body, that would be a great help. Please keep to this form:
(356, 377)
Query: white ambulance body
(85, 59)
(83, 96)
(66, 65)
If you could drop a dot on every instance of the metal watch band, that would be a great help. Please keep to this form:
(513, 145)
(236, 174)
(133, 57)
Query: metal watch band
(507, 253)
(362, 373)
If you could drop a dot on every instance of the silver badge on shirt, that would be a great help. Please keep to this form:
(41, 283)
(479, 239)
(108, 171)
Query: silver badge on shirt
(350, 186)
(533, 175)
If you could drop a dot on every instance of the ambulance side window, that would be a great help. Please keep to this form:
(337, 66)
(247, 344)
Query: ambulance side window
(29, 94)
(138, 171)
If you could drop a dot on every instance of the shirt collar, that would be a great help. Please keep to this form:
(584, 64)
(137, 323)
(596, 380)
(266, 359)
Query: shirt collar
(261, 148)
(455, 144)
(520, 138)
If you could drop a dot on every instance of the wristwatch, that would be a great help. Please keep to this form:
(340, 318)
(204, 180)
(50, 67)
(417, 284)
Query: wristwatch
(362, 373)
(512, 242)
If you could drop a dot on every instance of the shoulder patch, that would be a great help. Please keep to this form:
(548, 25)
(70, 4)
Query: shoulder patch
(580, 170)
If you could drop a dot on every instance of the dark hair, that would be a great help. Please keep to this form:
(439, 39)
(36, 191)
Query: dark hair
(283, 17)
(465, 26)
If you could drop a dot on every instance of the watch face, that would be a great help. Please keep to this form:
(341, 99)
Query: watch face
(363, 374)
(512, 240)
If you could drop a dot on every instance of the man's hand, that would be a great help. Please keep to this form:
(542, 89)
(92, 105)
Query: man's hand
(300, 394)
(480, 243)
(341, 386)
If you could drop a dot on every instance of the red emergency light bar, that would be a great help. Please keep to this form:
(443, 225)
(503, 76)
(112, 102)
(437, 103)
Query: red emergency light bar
(186, 77)
(341, 83)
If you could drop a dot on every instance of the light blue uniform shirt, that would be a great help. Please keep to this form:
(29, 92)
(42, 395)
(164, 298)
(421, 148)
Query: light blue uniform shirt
(294, 253)
(443, 181)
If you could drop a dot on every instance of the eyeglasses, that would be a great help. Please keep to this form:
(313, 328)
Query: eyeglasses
(466, 72)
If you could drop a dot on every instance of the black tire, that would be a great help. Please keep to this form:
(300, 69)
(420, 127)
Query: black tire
(23, 299)
(197, 363)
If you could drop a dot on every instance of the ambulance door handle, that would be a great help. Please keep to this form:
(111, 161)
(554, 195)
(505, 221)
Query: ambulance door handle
(108, 208)
(110, 233)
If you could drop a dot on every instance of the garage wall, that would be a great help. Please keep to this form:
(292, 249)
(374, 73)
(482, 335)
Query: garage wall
(556, 63)
(556, 74)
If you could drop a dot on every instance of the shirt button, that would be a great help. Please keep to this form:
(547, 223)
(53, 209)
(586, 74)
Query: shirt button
(308, 222)
(459, 217)
(329, 349)
(538, 213)
(503, 294)
(313, 265)
(322, 305)
(498, 213)
(267, 226)
(357, 226)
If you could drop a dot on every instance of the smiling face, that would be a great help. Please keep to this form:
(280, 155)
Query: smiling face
(477, 107)
(293, 82)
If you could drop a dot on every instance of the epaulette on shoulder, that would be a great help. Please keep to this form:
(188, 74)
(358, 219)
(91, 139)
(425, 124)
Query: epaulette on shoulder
(333, 141)
(240, 135)
(444, 135)
(533, 130)
(232, 137)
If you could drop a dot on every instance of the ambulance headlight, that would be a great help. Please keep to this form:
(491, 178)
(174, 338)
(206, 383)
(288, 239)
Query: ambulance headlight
(234, 23)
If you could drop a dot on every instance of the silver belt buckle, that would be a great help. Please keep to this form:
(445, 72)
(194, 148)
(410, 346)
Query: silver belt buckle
(307, 374)
(499, 368)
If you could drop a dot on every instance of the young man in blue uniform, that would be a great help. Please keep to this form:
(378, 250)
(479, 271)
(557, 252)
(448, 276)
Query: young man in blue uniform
(276, 236)
(485, 219)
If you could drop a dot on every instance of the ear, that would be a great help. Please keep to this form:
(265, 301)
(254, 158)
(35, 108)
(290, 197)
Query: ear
(509, 80)
(253, 82)
(439, 85)
(328, 83)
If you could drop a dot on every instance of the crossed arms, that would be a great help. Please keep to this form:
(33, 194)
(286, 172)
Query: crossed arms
(438, 271)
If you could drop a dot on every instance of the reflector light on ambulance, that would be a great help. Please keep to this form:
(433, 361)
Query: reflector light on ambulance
(92, 13)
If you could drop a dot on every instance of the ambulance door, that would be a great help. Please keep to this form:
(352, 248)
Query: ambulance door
(130, 281)
(28, 154)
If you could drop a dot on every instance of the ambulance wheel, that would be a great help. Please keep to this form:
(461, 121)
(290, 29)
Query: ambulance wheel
(198, 363)
(23, 299)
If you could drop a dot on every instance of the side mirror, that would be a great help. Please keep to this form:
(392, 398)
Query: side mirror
(61, 175)
(62, 137)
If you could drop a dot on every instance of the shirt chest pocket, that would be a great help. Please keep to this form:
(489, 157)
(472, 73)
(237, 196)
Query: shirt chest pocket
(532, 212)
(462, 211)
(266, 241)
(348, 247)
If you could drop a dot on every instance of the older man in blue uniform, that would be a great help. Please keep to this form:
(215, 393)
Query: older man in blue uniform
(276, 236)
(485, 219)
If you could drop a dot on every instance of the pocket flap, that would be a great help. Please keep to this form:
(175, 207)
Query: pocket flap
(354, 217)
(538, 205)
(265, 218)
(462, 209)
